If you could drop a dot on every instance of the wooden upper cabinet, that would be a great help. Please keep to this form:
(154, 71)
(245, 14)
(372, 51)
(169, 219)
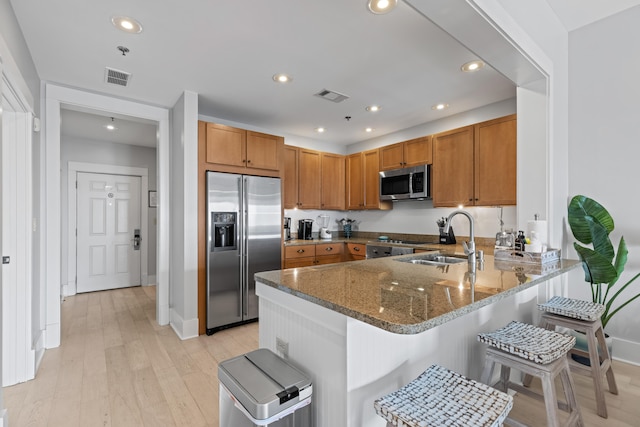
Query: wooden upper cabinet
(452, 173)
(495, 162)
(290, 177)
(355, 181)
(392, 156)
(238, 148)
(309, 184)
(332, 181)
(371, 169)
(363, 181)
(406, 154)
(476, 165)
(313, 179)
(263, 151)
(226, 145)
(371, 173)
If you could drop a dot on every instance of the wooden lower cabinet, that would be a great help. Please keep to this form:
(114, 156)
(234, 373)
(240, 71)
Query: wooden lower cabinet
(313, 254)
(329, 253)
(356, 252)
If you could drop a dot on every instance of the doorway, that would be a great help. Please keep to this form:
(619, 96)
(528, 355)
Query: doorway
(109, 234)
(58, 97)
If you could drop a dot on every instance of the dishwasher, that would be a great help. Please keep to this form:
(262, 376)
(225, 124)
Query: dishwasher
(261, 389)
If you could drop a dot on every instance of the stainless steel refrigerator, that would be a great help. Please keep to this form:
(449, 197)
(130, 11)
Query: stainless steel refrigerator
(244, 226)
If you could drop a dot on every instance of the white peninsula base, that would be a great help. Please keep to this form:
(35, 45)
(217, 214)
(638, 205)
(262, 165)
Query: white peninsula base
(352, 363)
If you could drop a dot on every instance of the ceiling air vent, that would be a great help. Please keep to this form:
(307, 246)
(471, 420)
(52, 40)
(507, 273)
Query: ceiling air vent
(331, 95)
(116, 77)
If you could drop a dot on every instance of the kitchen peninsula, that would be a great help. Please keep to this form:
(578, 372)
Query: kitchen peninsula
(365, 328)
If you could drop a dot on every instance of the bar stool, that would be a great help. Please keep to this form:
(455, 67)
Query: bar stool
(538, 352)
(441, 397)
(583, 316)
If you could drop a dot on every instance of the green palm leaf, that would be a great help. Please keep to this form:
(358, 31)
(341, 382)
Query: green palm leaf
(597, 268)
(581, 208)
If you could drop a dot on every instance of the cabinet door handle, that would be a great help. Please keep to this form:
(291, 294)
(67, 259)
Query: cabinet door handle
(357, 249)
(300, 251)
(329, 249)
(248, 161)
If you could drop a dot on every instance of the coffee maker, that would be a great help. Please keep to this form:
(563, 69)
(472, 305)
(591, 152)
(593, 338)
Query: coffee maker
(287, 228)
(304, 229)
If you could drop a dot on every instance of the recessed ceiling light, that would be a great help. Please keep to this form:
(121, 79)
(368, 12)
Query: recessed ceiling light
(440, 106)
(320, 130)
(472, 66)
(369, 130)
(373, 108)
(282, 78)
(380, 7)
(126, 24)
(111, 126)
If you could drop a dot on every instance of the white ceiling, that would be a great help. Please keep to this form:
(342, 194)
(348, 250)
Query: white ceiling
(227, 52)
(577, 13)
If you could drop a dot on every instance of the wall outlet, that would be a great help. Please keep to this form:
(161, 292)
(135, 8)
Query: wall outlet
(282, 347)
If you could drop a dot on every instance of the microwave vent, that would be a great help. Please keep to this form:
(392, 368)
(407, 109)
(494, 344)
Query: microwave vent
(331, 95)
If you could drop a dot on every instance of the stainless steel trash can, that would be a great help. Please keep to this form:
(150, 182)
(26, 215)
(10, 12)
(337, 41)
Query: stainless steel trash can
(261, 389)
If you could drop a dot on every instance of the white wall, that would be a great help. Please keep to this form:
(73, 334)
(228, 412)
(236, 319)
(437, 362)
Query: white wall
(16, 61)
(107, 153)
(604, 139)
(183, 301)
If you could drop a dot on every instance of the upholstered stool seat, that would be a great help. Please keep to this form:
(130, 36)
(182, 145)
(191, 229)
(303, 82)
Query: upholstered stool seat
(440, 397)
(538, 352)
(583, 316)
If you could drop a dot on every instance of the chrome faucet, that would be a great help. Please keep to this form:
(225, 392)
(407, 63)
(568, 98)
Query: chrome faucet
(469, 248)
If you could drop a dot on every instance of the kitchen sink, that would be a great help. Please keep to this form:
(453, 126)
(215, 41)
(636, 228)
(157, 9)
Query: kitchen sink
(435, 259)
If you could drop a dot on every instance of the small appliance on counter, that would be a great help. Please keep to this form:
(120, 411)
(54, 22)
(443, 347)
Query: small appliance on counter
(323, 221)
(445, 238)
(304, 229)
(505, 239)
(287, 228)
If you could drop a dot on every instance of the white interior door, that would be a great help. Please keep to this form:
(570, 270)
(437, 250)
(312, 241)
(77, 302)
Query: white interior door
(18, 355)
(108, 219)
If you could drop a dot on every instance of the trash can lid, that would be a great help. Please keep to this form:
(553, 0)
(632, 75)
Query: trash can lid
(263, 382)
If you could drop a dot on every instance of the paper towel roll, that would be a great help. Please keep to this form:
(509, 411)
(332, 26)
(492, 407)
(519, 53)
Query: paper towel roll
(540, 228)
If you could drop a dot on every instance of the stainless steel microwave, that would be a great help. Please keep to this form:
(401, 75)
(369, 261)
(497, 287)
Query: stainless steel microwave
(406, 183)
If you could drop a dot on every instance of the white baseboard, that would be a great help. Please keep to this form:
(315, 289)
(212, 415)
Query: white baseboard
(4, 418)
(626, 351)
(151, 280)
(185, 329)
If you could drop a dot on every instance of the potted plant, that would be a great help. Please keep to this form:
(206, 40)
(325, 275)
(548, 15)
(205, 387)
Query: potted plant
(591, 224)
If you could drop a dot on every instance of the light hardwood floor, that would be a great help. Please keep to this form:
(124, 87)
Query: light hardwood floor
(116, 367)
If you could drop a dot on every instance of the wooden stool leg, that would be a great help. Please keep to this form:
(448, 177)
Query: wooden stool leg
(611, 379)
(596, 373)
(569, 392)
(544, 323)
(550, 400)
(487, 372)
(505, 372)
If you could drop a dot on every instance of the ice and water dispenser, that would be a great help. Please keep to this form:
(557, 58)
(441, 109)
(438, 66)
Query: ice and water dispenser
(224, 231)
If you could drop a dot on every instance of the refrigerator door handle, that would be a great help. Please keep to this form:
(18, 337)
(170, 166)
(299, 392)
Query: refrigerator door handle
(245, 255)
(240, 239)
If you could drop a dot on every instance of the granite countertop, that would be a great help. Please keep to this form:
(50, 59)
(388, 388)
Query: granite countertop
(406, 298)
